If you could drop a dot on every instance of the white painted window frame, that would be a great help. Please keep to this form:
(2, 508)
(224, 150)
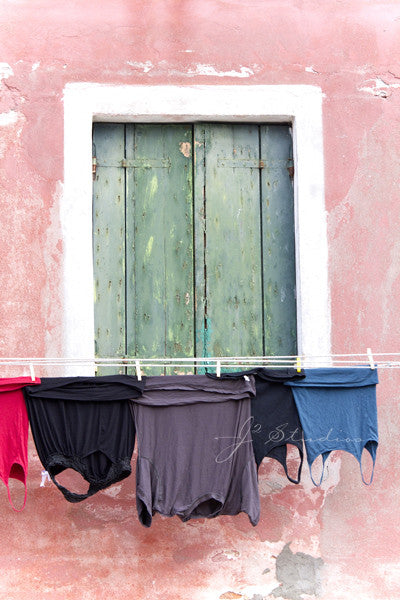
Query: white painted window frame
(299, 104)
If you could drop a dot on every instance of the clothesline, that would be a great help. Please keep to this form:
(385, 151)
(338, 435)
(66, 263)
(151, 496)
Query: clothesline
(362, 359)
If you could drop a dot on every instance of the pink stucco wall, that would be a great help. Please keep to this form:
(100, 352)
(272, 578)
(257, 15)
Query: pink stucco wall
(351, 49)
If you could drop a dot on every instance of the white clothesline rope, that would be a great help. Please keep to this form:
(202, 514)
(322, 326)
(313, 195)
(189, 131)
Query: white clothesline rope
(361, 359)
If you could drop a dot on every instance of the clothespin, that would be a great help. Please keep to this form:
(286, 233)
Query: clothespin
(218, 368)
(45, 477)
(138, 370)
(32, 370)
(298, 364)
(370, 358)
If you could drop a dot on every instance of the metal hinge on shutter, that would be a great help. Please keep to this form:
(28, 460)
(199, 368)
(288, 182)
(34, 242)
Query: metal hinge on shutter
(94, 161)
(290, 168)
(255, 163)
(137, 163)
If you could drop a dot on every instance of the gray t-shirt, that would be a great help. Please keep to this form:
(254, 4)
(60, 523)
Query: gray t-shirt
(195, 455)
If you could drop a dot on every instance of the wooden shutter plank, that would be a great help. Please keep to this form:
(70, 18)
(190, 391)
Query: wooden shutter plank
(278, 241)
(160, 242)
(231, 231)
(201, 331)
(109, 241)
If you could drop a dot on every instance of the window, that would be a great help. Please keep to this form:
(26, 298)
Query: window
(193, 239)
(300, 105)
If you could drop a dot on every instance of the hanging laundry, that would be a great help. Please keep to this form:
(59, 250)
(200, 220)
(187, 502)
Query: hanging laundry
(84, 423)
(14, 432)
(275, 421)
(195, 458)
(337, 409)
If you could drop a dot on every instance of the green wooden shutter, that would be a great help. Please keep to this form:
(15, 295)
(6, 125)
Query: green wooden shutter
(194, 240)
(109, 234)
(278, 241)
(230, 232)
(159, 240)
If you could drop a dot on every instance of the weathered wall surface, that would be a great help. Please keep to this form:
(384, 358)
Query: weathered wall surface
(336, 542)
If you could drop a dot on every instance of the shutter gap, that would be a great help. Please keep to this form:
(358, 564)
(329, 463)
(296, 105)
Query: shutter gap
(125, 248)
(166, 279)
(260, 174)
(134, 186)
(194, 295)
(205, 338)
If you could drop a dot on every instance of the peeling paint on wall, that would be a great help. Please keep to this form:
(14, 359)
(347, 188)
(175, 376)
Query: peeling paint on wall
(201, 69)
(8, 118)
(141, 66)
(212, 71)
(379, 87)
(5, 71)
(299, 573)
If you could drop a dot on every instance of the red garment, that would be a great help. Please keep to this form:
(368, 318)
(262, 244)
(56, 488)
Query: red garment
(14, 432)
